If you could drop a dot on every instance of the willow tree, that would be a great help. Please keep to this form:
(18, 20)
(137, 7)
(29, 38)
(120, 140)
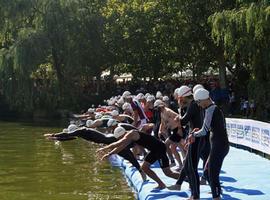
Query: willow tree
(63, 37)
(245, 34)
(16, 35)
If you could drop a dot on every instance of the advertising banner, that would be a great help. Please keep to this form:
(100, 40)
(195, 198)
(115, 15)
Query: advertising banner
(250, 133)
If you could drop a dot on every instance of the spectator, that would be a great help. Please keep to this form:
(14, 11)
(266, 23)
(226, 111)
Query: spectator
(246, 108)
(232, 104)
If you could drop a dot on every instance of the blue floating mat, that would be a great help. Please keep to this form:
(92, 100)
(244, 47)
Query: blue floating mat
(244, 176)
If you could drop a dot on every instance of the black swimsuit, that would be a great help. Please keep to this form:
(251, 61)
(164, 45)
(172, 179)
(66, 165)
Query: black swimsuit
(194, 117)
(156, 147)
(214, 122)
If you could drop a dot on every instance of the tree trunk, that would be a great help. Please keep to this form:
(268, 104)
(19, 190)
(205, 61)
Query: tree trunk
(222, 68)
(59, 74)
(98, 83)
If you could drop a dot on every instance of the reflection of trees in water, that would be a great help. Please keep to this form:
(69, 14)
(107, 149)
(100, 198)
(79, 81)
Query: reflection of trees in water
(37, 167)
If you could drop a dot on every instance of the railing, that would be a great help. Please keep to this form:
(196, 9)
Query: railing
(249, 133)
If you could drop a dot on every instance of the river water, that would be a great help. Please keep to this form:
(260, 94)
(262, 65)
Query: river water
(33, 168)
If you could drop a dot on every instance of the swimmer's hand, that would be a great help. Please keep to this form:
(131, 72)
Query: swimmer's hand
(186, 146)
(104, 157)
(100, 150)
(48, 135)
(195, 129)
(191, 139)
(177, 118)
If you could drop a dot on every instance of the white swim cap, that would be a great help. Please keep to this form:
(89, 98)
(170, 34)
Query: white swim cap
(196, 87)
(91, 110)
(184, 91)
(119, 131)
(158, 95)
(65, 130)
(112, 122)
(158, 103)
(165, 98)
(126, 94)
(71, 128)
(176, 92)
(89, 123)
(140, 96)
(147, 95)
(114, 113)
(121, 101)
(150, 98)
(201, 94)
(98, 116)
(126, 106)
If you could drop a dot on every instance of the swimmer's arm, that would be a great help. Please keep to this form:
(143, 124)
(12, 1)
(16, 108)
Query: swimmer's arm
(135, 117)
(97, 123)
(130, 119)
(117, 149)
(115, 144)
(161, 128)
(82, 116)
(75, 133)
(173, 115)
(60, 136)
(122, 143)
(120, 118)
(206, 125)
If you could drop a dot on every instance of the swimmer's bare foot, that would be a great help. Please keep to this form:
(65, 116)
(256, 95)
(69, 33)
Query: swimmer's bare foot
(174, 187)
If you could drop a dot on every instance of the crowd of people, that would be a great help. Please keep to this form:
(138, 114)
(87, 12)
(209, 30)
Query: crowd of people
(175, 130)
(231, 101)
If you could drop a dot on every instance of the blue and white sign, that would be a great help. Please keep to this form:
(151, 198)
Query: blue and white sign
(250, 133)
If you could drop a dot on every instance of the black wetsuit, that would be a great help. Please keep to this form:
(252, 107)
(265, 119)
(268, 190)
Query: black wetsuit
(128, 120)
(104, 122)
(99, 138)
(193, 116)
(214, 122)
(175, 137)
(157, 149)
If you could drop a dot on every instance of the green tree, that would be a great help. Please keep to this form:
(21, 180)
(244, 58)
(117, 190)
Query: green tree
(244, 32)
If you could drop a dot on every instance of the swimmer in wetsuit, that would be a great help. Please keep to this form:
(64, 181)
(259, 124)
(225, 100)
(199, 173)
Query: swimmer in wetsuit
(98, 123)
(157, 152)
(193, 116)
(214, 122)
(95, 136)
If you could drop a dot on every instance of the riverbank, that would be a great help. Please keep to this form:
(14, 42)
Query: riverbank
(244, 176)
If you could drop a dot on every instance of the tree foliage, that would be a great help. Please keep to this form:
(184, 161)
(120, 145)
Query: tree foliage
(52, 50)
(244, 32)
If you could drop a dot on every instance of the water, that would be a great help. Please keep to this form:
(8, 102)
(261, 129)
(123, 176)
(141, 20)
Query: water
(32, 168)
